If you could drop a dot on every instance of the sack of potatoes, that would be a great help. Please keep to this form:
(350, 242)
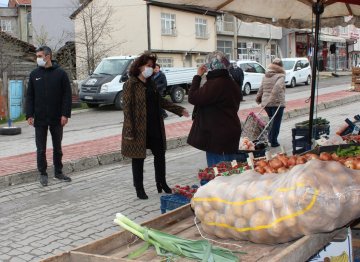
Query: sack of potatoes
(311, 198)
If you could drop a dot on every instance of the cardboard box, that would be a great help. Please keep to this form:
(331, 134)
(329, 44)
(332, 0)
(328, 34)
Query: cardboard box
(335, 249)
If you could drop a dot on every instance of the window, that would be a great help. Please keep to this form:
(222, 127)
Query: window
(249, 68)
(343, 29)
(225, 47)
(5, 25)
(201, 28)
(304, 63)
(165, 62)
(168, 26)
(200, 61)
(259, 69)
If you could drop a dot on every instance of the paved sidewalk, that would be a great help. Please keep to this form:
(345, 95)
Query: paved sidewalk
(38, 222)
(80, 156)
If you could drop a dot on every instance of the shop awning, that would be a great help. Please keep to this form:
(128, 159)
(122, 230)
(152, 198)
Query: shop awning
(331, 38)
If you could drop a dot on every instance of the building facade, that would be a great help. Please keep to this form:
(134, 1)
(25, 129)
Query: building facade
(247, 41)
(180, 36)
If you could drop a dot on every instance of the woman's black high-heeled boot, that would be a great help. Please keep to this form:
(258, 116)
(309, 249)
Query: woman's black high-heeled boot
(163, 186)
(140, 192)
(138, 177)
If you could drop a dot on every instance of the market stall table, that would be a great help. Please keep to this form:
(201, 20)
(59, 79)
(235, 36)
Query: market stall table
(180, 222)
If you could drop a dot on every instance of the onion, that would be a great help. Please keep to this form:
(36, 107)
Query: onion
(260, 170)
(269, 169)
(335, 156)
(357, 164)
(325, 156)
(301, 160)
(292, 161)
(284, 160)
(282, 170)
(275, 163)
(350, 164)
(261, 163)
(310, 156)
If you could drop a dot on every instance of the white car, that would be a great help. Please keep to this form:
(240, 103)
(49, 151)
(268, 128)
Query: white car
(253, 75)
(297, 70)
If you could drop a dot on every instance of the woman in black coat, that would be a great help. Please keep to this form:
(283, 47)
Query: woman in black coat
(216, 128)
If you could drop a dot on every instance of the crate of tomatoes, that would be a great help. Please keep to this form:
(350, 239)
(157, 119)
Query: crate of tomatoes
(220, 169)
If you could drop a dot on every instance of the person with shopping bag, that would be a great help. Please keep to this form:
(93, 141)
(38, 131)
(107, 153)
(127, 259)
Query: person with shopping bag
(271, 96)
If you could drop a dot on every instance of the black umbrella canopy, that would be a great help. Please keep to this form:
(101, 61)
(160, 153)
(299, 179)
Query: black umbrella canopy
(289, 14)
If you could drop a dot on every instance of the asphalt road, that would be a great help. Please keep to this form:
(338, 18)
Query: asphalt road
(106, 121)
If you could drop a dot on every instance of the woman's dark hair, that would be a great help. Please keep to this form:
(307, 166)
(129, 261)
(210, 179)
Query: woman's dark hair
(140, 61)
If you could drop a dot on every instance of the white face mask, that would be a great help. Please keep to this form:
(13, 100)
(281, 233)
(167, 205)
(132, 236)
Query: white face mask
(147, 72)
(40, 61)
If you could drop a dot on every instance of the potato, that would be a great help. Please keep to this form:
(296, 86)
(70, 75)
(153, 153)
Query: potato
(277, 229)
(240, 223)
(220, 229)
(200, 213)
(260, 236)
(259, 218)
(210, 217)
(248, 210)
(207, 206)
(265, 205)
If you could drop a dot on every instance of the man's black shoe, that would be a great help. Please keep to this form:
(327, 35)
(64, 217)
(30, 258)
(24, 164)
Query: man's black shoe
(63, 177)
(44, 180)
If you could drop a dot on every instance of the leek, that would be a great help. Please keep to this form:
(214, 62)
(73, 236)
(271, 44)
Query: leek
(168, 245)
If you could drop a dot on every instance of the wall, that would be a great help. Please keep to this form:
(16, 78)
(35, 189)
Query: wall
(185, 39)
(10, 14)
(51, 17)
(259, 30)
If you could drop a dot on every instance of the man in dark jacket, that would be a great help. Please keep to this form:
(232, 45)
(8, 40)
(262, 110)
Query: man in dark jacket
(161, 84)
(48, 107)
(238, 76)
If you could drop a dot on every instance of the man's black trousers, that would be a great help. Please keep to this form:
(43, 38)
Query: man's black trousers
(41, 138)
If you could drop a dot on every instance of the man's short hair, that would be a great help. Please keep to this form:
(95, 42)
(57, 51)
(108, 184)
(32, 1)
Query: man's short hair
(157, 65)
(45, 49)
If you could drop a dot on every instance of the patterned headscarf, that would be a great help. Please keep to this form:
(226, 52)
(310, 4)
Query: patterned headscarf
(216, 60)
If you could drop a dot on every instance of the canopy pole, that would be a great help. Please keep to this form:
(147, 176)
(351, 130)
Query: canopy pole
(318, 9)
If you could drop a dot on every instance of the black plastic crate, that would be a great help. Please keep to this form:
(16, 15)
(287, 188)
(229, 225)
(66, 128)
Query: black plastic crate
(243, 155)
(299, 150)
(300, 142)
(317, 131)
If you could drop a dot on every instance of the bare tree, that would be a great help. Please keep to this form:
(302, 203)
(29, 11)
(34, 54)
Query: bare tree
(94, 35)
(41, 37)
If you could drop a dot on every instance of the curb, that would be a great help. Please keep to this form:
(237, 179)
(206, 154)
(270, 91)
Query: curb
(173, 143)
(81, 164)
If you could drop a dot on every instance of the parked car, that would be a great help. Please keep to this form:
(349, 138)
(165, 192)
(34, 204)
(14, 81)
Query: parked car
(298, 70)
(253, 75)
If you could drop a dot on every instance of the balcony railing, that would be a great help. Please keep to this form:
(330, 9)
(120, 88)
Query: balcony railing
(224, 26)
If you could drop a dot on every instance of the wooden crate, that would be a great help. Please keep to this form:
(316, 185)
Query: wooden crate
(180, 222)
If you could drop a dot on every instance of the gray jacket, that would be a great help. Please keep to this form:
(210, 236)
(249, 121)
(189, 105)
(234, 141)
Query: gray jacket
(272, 89)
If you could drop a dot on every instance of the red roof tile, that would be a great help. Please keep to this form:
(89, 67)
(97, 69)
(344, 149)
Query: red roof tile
(14, 3)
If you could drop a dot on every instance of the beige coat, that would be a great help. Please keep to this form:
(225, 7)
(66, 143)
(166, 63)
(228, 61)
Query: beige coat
(133, 143)
(272, 89)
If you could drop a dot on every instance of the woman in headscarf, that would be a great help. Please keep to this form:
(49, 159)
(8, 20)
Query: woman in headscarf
(216, 128)
(271, 95)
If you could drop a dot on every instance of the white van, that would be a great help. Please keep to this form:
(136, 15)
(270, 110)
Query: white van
(298, 70)
(105, 84)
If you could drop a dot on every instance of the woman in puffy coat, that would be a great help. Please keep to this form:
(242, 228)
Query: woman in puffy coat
(271, 95)
(216, 127)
